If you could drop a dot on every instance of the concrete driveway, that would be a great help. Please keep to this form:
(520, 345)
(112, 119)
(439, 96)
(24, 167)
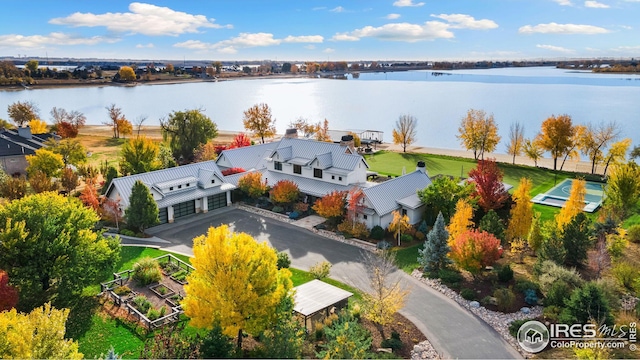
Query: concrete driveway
(453, 331)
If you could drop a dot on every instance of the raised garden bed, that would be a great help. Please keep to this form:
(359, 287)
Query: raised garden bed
(162, 290)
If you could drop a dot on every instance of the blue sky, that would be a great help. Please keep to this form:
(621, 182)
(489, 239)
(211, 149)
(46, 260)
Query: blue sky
(322, 30)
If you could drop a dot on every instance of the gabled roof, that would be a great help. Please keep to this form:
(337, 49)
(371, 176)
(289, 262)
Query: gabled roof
(306, 185)
(386, 196)
(311, 297)
(13, 144)
(249, 157)
(181, 174)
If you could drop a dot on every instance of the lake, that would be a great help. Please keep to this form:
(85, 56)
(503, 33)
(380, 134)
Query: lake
(374, 101)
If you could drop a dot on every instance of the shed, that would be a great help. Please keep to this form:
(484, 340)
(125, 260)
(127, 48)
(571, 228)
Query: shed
(316, 299)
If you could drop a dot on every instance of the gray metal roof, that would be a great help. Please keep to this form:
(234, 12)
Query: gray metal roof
(310, 149)
(314, 296)
(153, 178)
(309, 186)
(249, 157)
(412, 201)
(384, 196)
(180, 181)
(324, 161)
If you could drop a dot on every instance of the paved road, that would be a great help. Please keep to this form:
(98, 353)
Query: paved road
(453, 331)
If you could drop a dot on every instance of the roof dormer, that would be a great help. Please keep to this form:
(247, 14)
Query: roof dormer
(181, 184)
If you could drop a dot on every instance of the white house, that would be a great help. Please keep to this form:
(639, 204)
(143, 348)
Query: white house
(178, 191)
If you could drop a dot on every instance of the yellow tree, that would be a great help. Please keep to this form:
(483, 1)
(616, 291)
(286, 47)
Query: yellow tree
(253, 185)
(323, 132)
(387, 295)
(38, 126)
(127, 74)
(398, 225)
(46, 161)
(595, 139)
(236, 283)
(532, 150)
(521, 214)
(478, 132)
(556, 136)
(405, 131)
(574, 204)
(617, 153)
(258, 120)
(461, 220)
(37, 335)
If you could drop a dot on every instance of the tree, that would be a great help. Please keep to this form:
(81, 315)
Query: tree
(405, 131)
(38, 126)
(240, 140)
(284, 192)
(169, 343)
(617, 153)
(355, 205)
(398, 225)
(492, 224)
(216, 345)
(516, 140)
(67, 123)
(443, 194)
(323, 132)
(461, 221)
(623, 189)
(71, 150)
(115, 115)
(574, 204)
(69, 180)
(532, 150)
(40, 182)
(346, 339)
(258, 120)
(37, 335)
(127, 74)
(32, 66)
(50, 249)
(253, 185)
(595, 139)
(187, 130)
(478, 132)
(552, 247)
(21, 112)
(139, 155)
(236, 283)
(556, 136)
(434, 255)
(331, 205)
(589, 303)
(474, 250)
(635, 152)
(387, 295)
(89, 197)
(46, 161)
(143, 210)
(285, 338)
(286, 67)
(170, 68)
(8, 294)
(489, 189)
(576, 240)
(206, 152)
(13, 188)
(110, 173)
(521, 214)
(111, 210)
(124, 127)
(305, 127)
(165, 157)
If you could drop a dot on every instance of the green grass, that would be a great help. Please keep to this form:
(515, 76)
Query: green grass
(407, 258)
(106, 332)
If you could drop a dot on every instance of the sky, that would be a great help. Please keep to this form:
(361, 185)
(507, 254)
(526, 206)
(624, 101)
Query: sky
(303, 30)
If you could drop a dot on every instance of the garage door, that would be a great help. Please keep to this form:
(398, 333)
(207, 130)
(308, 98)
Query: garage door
(216, 201)
(184, 209)
(163, 216)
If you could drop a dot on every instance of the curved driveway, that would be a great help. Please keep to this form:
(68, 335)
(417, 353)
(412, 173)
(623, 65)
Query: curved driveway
(453, 331)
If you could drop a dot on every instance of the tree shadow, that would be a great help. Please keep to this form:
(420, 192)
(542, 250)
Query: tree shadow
(80, 314)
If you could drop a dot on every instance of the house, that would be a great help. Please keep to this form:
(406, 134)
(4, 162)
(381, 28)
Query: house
(16, 144)
(178, 191)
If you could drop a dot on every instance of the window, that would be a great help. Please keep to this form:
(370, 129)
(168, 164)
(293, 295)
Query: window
(317, 173)
(297, 169)
(364, 217)
(333, 177)
(188, 184)
(404, 212)
(277, 165)
(339, 178)
(171, 188)
(213, 181)
(179, 186)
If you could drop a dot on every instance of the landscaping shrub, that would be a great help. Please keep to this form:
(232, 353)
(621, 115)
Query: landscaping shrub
(552, 313)
(485, 300)
(505, 273)
(551, 272)
(449, 276)
(505, 298)
(420, 236)
(147, 271)
(468, 294)
(406, 238)
(377, 233)
(616, 245)
(423, 228)
(587, 303)
(523, 284)
(153, 314)
(180, 275)
(127, 232)
(356, 229)
(515, 326)
(530, 297)
(294, 215)
(557, 294)
(216, 345)
(278, 209)
(625, 274)
(320, 270)
(142, 303)
(319, 331)
(301, 207)
(283, 260)
(122, 290)
(394, 342)
(633, 234)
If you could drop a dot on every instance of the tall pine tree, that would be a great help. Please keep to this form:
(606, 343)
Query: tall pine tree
(434, 255)
(143, 210)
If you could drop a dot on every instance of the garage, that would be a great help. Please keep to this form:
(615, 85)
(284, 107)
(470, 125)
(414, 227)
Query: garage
(163, 215)
(184, 209)
(217, 201)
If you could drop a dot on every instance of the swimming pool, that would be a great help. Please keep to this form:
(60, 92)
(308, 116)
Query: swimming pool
(559, 194)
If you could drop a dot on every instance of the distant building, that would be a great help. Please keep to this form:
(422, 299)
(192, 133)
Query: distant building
(16, 144)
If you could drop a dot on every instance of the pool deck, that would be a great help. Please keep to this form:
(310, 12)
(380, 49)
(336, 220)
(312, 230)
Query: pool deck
(550, 199)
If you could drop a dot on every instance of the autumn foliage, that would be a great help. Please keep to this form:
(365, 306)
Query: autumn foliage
(89, 197)
(284, 192)
(461, 221)
(574, 204)
(489, 188)
(8, 294)
(252, 184)
(331, 205)
(473, 250)
(231, 171)
(240, 140)
(521, 213)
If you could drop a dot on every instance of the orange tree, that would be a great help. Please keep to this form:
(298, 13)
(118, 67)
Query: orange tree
(253, 185)
(473, 250)
(284, 192)
(556, 136)
(331, 206)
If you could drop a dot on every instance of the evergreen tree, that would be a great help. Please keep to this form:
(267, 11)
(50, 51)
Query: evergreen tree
(285, 339)
(492, 224)
(346, 339)
(552, 246)
(535, 234)
(143, 210)
(216, 345)
(434, 255)
(586, 304)
(576, 240)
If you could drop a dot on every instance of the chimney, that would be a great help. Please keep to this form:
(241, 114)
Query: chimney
(347, 140)
(422, 167)
(291, 134)
(24, 132)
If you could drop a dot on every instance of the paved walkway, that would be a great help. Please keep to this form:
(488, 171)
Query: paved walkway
(453, 331)
(308, 222)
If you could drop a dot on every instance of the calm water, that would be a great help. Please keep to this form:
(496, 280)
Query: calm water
(374, 101)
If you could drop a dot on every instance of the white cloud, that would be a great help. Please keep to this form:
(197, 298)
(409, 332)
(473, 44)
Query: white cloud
(463, 21)
(595, 5)
(392, 16)
(317, 8)
(554, 28)
(337, 9)
(194, 45)
(304, 39)
(142, 46)
(54, 38)
(554, 48)
(431, 30)
(626, 27)
(405, 3)
(329, 50)
(564, 2)
(310, 47)
(144, 19)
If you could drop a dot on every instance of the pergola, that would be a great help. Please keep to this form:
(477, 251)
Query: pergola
(316, 299)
